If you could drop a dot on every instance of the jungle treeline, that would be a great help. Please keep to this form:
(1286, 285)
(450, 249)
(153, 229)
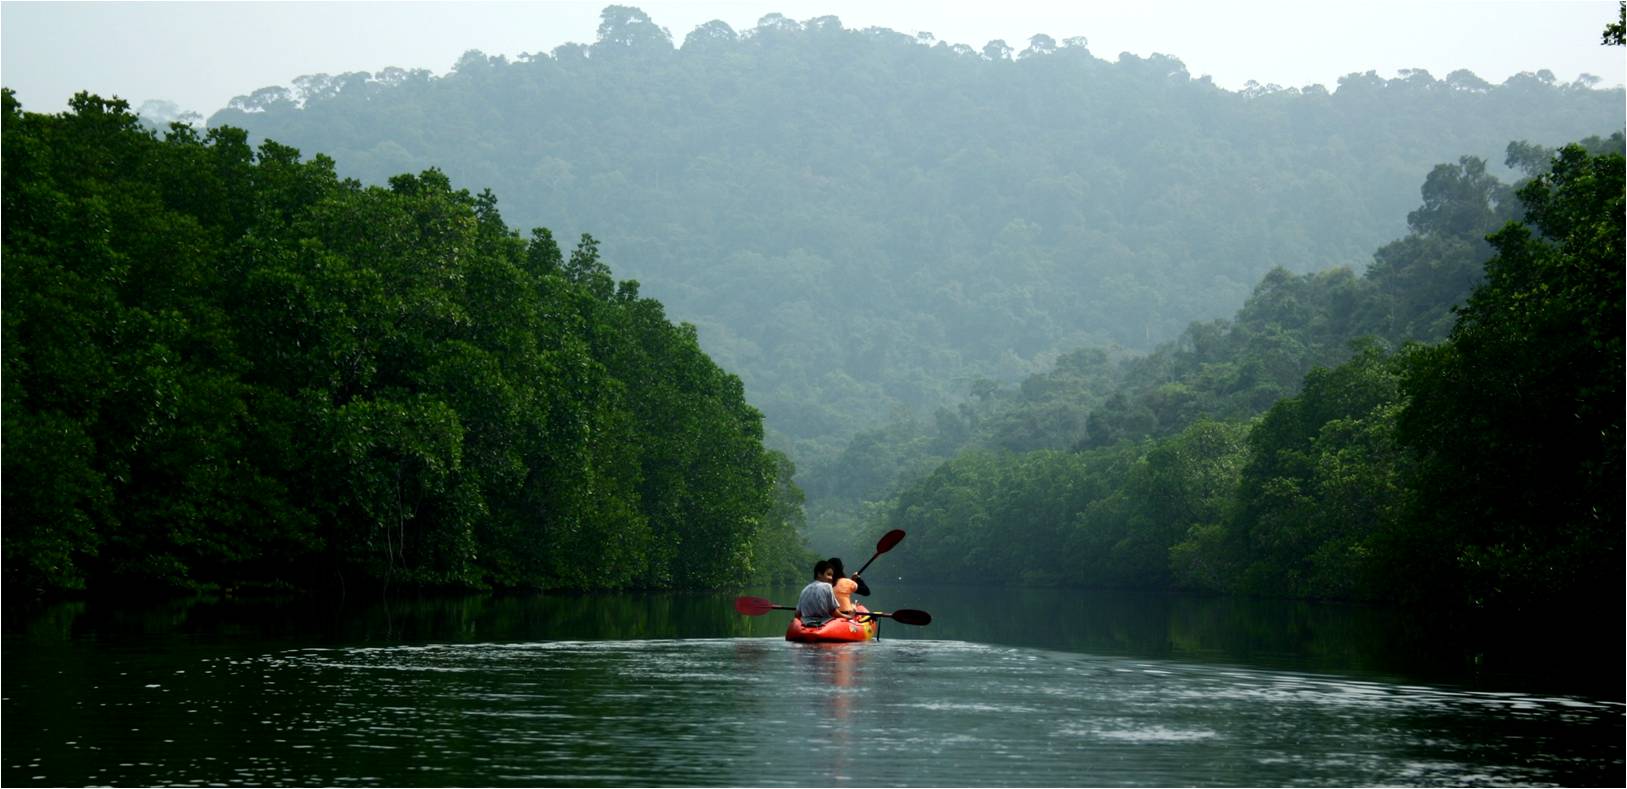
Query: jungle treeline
(861, 221)
(229, 369)
(1443, 429)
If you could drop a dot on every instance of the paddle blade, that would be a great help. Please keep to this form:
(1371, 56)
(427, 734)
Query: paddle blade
(886, 544)
(910, 616)
(753, 606)
(889, 539)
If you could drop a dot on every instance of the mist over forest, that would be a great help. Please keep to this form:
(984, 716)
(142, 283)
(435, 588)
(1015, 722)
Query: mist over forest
(863, 223)
(414, 429)
(1075, 321)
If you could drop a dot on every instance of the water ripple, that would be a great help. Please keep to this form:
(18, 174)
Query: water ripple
(764, 712)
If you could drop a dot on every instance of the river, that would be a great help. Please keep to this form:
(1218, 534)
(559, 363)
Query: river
(1004, 688)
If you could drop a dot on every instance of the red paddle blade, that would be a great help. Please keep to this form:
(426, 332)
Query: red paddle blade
(753, 606)
(910, 616)
(889, 539)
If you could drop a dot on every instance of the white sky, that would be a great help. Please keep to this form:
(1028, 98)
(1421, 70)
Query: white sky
(201, 54)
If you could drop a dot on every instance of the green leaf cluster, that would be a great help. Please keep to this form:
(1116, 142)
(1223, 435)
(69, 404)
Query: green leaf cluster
(227, 368)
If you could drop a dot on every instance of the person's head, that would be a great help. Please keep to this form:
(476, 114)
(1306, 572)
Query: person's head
(836, 568)
(822, 571)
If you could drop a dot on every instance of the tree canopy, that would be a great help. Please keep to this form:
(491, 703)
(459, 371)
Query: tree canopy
(1481, 469)
(226, 368)
(859, 221)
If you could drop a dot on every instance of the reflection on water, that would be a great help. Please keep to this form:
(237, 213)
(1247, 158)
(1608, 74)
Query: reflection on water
(493, 692)
(1580, 654)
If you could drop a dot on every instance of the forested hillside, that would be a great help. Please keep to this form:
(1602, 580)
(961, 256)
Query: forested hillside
(860, 221)
(1481, 471)
(229, 369)
(1222, 369)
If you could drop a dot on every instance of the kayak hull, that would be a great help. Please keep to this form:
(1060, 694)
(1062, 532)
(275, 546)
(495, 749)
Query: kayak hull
(836, 631)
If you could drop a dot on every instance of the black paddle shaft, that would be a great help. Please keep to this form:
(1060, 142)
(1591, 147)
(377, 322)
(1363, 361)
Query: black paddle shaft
(886, 544)
(908, 616)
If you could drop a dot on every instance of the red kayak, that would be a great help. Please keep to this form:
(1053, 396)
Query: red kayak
(835, 631)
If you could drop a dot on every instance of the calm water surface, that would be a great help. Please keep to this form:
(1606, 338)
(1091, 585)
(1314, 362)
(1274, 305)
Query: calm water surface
(590, 691)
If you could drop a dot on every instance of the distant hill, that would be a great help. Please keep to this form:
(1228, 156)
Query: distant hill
(862, 222)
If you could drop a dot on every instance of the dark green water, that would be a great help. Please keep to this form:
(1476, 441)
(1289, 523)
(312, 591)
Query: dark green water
(1004, 688)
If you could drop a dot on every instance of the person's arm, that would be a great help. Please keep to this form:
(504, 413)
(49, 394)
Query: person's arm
(864, 588)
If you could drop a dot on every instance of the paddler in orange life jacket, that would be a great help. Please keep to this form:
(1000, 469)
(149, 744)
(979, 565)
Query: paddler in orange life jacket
(817, 603)
(843, 587)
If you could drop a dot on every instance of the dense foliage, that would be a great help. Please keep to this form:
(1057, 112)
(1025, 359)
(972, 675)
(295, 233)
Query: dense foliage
(1516, 421)
(1223, 369)
(1484, 469)
(861, 221)
(226, 367)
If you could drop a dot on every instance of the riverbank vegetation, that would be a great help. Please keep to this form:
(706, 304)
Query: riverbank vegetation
(1343, 437)
(227, 368)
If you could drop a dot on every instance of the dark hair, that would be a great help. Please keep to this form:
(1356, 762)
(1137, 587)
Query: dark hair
(820, 567)
(836, 566)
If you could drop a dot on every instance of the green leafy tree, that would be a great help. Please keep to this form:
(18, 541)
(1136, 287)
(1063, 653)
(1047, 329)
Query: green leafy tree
(1615, 33)
(1177, 486)
(226, 368)
(1320, 487)
(1517, 418)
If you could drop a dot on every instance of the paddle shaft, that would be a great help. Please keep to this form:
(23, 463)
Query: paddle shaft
(757, 606)
(857, 615)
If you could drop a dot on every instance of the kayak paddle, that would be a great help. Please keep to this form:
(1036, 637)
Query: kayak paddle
(757, 606)
(886, 544)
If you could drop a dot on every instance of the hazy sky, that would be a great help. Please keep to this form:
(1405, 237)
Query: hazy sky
(201, 54)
